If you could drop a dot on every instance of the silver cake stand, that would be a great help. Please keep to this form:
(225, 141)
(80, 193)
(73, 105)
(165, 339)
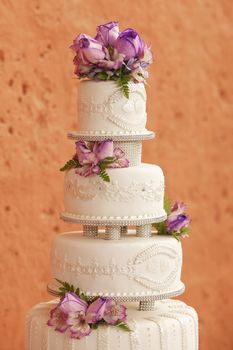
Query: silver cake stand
(146, 300)
(114, 227)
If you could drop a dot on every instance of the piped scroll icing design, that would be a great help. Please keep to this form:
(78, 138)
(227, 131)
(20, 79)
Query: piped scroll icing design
(126, 114)
(166, 260)
(113, 191)
(131, 113)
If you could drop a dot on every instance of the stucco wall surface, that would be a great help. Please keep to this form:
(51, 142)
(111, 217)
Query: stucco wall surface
(189, 106)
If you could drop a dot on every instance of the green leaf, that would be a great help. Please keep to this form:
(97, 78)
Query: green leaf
(72, 163)
(167, 205)
(104, 175)
(160, 227)
(122, 325)
(176, 236)
(103, 75)
(123, 82)
(94, 325)
(65, 287)
(108, 159)
(185, 230)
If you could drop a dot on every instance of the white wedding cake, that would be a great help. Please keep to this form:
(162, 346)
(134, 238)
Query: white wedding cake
(114, 278)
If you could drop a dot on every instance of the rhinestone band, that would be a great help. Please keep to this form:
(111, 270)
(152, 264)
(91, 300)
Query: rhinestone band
(112, 221)
(124, 230)
(90, 231)
(100, 136)
(113, 232)
(127, 298)
(147, 305)
(144, 230)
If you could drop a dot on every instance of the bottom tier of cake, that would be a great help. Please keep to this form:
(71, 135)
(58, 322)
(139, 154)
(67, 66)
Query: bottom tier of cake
(171, 326)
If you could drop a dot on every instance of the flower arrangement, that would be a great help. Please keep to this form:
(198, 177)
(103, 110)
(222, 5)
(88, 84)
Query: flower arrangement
(112, 55)
(177, 223)
(95, 157)
(74, 313)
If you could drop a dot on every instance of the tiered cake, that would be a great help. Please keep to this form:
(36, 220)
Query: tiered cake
(135, 267)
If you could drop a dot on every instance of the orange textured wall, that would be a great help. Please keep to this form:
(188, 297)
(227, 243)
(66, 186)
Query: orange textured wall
(190, 107)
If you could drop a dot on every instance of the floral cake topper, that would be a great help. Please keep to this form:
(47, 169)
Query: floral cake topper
(112, 55)
(95, 157)
(74, 313)
(177, 222)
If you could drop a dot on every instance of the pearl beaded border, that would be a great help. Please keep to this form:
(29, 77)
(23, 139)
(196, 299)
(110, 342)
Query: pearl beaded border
(112, 221)
(100, 136)
(124, 297)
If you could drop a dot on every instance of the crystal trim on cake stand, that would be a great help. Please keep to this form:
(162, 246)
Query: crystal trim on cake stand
(90, 231)
(115, 136)
(124, 230)
(140, 297)
(112, 221)
(113, 232)
(144, 230)
(147, 305)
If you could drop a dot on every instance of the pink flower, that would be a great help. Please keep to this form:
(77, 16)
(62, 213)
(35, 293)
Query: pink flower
(130, 44)
(89, 155)
(79, 327)
(119, 159)
(59, 315)
(103, 149)
(113, 61)
(107, 33)
(58, 319)
(88, 50)
(114, 312)
(96, 310)
(177, 219)
(72, 303)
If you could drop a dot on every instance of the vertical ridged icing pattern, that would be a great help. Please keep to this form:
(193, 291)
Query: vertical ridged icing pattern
(173, 326)
(102, 108)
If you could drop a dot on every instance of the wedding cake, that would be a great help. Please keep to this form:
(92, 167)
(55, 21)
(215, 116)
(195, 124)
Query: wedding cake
(114, 279)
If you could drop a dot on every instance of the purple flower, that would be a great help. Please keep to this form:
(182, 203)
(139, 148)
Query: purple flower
(72, 303)
(96, 310)
(113, 61)
(119, 159)
(114, 312)
(107, 33)
(88, 50)
(90, 155)
(177, 218)
(59, 315)
(58, 319)
(130, 44)
(79, 326)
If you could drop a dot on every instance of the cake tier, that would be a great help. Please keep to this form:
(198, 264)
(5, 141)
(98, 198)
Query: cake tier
(172, 326)
(103, 108)
(134, 193)
(132, 268)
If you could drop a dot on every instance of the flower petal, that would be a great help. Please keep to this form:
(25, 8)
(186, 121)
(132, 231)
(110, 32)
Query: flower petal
(96, 310)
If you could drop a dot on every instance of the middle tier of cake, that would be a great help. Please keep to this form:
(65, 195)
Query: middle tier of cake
(133, 194)
(131, 268)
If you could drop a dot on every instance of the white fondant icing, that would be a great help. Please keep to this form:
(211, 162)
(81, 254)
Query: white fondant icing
(172, 326)
(103, 107)
(134, 191)
(130, 266)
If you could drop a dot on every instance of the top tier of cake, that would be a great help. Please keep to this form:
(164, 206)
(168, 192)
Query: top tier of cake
(104, 110)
